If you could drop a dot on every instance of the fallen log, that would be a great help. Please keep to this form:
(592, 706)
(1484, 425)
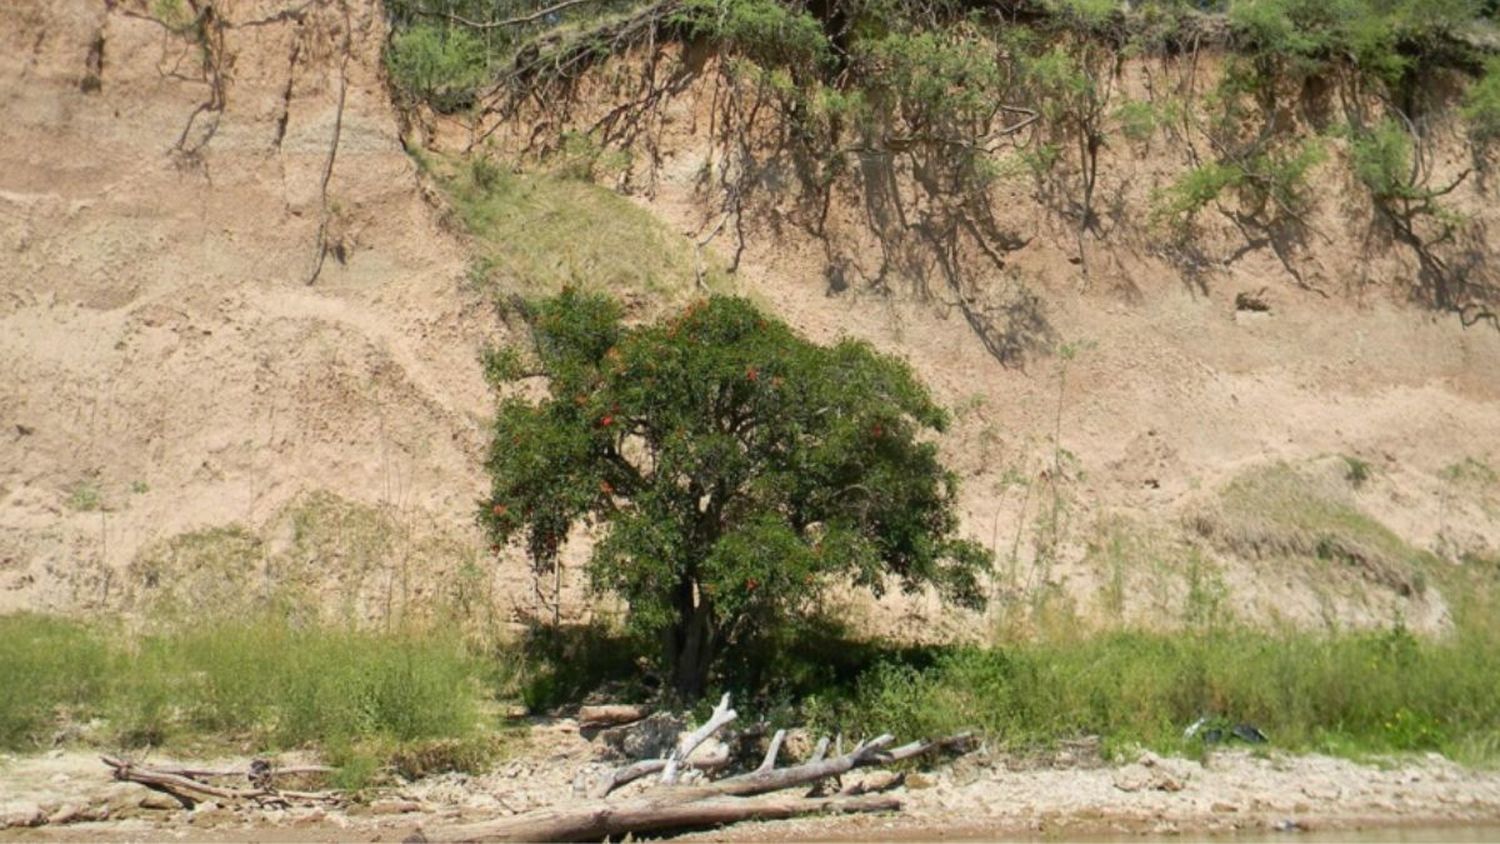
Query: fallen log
(645, 768)
(611, 715)
(189, 791)
(672, 810)
(215, 773)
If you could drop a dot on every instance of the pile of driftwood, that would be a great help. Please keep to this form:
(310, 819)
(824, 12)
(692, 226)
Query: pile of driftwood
(189, 786)
(686, 796)
(765, 793)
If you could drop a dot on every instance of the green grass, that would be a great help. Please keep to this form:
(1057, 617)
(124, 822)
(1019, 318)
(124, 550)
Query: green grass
(51, 669)
(260, 682)
(536, 233)
(1349, 694)
(1279, 512)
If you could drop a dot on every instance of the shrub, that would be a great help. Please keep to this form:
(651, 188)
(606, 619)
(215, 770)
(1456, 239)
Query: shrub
(1482, 104)
(768, 32)
(1267, 184)
(440, 65)
(1385, 160)
(1382, 159)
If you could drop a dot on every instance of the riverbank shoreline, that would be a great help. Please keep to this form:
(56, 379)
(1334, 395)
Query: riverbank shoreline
(1070, 794)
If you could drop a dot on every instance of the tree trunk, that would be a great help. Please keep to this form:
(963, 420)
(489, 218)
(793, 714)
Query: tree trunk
(674, 810)
(690, 642)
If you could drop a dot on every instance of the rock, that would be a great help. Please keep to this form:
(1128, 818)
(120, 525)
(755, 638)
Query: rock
(711, 748)
(1132, 778)
(157, 801)
(1224, 808)
(1151, 773)
(394, 807)
(877, 781)
(652, 737)
(919, 781)
(116, 799)
(67, 813)
(1322, 791)
(798, 744)
(209, 814)
(14, 815)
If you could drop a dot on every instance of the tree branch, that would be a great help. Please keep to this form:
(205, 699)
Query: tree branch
(721, 716)
(516, 21)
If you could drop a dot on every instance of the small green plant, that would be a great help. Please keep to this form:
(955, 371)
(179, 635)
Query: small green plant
(139, 487)
(1471, 471)
(484, 173)
(1138, 120)
(1357, 471)
(1206, 593)
(174, 14)
(85, 497)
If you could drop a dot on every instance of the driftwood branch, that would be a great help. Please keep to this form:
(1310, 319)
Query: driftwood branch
(725, 801)
(612, 714)
(771, 752)
(721, 716)
(820, 751)
(496, 24)
(208, 773)
(189, 790)
(674, 809)
(645, 768)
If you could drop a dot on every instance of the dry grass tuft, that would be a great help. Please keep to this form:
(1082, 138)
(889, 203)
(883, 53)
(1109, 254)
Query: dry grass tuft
(1276, 512)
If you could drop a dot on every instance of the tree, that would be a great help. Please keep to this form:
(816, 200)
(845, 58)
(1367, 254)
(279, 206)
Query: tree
(732, 470)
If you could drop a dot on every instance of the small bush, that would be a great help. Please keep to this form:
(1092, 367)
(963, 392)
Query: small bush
(1382, 160)
(1357, 471)
(440, 65)
(1482, 104)
(768, 32)
(85, 497)
(1138, 120)
(1271, 185)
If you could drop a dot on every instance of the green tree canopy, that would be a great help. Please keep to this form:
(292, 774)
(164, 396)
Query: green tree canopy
(733, 469)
